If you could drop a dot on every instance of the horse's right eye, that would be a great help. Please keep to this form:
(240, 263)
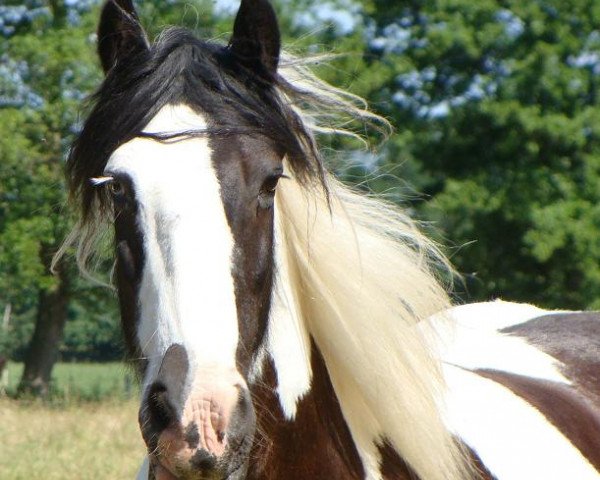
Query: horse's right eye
(266, 195)
(270, 184)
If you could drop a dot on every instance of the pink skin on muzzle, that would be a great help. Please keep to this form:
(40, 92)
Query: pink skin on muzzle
(200, 411)
(203, 422)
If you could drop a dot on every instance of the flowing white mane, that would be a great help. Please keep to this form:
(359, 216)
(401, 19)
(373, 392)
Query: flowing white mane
(357, 275)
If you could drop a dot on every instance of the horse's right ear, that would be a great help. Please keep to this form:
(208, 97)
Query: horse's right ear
(120, 33)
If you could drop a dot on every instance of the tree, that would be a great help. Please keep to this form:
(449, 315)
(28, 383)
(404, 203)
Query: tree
(46, 68)
(497, 105)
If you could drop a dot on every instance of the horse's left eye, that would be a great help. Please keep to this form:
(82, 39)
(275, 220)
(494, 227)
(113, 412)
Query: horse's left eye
(116, 188)
(266, 195)
(118, 193)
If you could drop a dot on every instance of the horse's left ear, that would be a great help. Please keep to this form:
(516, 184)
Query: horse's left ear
(256, 40)
(120, 33)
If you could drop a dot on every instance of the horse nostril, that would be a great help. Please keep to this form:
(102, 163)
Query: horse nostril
(203, 461)
(158, 412)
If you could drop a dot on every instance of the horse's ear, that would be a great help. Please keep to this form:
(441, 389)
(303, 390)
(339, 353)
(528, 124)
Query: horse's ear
(120, 33)
(256, 40)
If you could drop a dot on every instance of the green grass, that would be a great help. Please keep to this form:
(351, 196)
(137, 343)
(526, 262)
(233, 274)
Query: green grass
(77, 382)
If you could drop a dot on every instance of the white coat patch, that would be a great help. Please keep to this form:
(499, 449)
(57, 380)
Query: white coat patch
(468, 337)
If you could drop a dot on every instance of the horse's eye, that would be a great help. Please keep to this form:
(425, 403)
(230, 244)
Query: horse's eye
(267, 192)
(116, 188)
(271, 184)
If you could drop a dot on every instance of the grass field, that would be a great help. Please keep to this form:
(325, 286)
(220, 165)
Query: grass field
(87, 431)
(83, 381)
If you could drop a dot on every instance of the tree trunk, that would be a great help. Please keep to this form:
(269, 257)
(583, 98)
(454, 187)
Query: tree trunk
(59, 12)
(43, 347)
(3, 375)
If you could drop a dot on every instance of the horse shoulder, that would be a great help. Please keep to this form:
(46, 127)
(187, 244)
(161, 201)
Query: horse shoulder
(573, 339)
(523, 388)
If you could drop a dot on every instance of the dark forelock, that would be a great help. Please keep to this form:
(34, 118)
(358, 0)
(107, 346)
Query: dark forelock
(179, 68)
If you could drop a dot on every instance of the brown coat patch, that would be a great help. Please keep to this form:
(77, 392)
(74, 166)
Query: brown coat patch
(571, 338)
(317, 445)
(567, 408)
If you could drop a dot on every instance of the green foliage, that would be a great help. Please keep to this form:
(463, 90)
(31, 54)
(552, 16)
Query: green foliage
(92, 333)
(49, 67)
(500, 99)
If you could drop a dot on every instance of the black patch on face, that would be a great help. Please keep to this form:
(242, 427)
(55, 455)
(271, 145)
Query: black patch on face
(241, 424)
(130, 261)
(203, 461)
(155, 415)
(126, 259)
(244, 166)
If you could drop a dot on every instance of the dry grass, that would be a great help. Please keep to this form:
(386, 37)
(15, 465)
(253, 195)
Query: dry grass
(90, 441)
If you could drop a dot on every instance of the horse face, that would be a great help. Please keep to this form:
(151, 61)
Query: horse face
(194, 245)
(194, 234)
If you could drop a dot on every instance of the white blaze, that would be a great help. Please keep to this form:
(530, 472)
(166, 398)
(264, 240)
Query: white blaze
(187, 290)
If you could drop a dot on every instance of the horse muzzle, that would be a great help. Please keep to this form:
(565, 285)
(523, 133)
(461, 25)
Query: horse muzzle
(198, 423)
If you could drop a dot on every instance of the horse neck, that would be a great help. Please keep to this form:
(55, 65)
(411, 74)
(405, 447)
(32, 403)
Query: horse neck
(317, 442)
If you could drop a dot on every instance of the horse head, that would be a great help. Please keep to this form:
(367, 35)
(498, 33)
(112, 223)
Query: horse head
(188, 141)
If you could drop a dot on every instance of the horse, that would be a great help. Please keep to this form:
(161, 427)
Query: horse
(285, 326)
